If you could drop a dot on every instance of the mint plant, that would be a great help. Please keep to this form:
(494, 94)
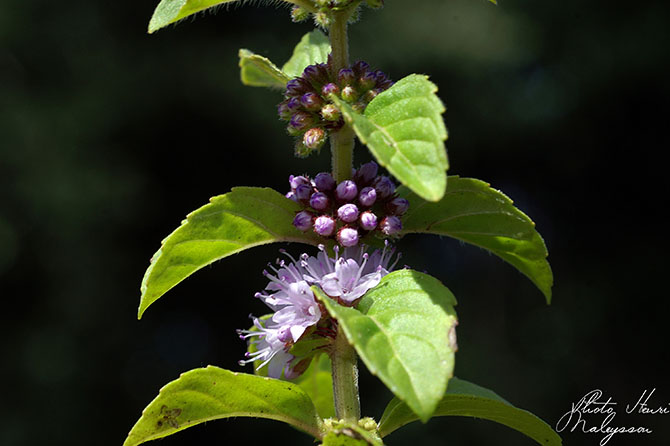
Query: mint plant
(347, 297)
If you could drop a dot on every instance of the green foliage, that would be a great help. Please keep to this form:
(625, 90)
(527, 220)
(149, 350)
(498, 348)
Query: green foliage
(212, 393)
(230, 223)
(401, 331)
(258, 71)
(404, 130)
(469, 400)
(317, 382)
(171, 11)
(475, 213)
(313, 48)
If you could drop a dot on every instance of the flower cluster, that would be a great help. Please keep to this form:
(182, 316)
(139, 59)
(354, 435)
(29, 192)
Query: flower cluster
(310, 112)
(349, 210)
(296, 311)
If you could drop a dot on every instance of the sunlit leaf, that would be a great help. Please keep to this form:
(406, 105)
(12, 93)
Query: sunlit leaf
(469, 400)
(258, 71)
(314, 47)
(404, 130)
(241, 219)
(475, 213)
(212, 393)
(403, 331)
(171, 11)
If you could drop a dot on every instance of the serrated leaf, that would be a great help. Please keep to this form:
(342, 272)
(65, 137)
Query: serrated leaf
(475, 213)
(404, 130)
(469, 400)
(212, 393)
(258, 71)
(230, 223)
(313, 48)
(317, 382)
(401, 330)
(171, 11)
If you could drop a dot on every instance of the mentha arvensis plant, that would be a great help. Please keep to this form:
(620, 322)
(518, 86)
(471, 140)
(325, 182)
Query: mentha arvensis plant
(347, 296)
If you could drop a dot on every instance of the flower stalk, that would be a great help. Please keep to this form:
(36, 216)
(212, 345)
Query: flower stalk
(342, 141)
(345, 379)
(345, 369)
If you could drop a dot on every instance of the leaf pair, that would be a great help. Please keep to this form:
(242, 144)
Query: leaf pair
(258, 71)
(212, 393)
(246, 217)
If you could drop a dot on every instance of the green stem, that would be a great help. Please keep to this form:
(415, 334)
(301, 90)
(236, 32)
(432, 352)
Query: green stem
(342, 141)
(345, 379)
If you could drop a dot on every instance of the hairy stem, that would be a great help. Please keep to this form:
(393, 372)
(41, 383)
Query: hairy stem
(342, 141)
(345, 379)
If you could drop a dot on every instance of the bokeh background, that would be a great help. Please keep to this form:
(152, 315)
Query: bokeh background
(110, 136)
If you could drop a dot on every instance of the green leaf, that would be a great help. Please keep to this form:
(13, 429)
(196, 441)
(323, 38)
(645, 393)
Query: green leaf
(469, 400)
(313, 48)
(212, 393)
(258, 71)
(230, 223)
(402, 330)
(171, 11)
(317, 382)
(404, 130)
(475, 213)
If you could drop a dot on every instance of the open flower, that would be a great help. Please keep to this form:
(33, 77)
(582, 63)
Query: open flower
(346, 278)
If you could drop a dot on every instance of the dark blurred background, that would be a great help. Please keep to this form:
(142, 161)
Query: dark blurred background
(110, 136)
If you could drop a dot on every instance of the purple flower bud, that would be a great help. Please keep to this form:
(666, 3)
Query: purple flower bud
(297, 87)
(348, 213)
(367, 197)
(346, 190)
(384, 186)
(319, 201)
(360, 67)
(311, 101)
(366, 173)
(349, 94)
(397, 206)
(293, 104)
(303, 192)
(370, 95)
(330, 112)
(284, 111)
(368, 220)
(291, 196)
(330, 88)
(348, 237)
(346, 76)
(295, 181)
(324, 182)
(390, 225)
(368, 80)
(324, 226)
(303, 220)
(314, 138)
(301, 121)
(317, 74)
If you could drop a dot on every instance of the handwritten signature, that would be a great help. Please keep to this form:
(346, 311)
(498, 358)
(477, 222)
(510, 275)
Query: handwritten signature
(594, 403)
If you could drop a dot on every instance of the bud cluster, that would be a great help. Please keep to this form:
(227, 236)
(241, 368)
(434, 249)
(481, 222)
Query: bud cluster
(325, 8)
(349, 210)
(309, 110)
